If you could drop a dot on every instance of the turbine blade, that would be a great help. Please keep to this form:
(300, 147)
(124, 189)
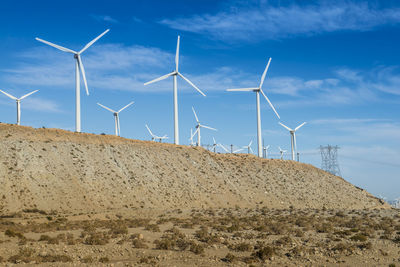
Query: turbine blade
(189, 82)
(242, 89)
(226, 150)
(265, 73)
(56, 46)
(237, 150)
(125, 107)
(195, 132)
(93, 41)
(267, 147)
(214, 141)
(177, 54)
(161, 78)
(208, 127)
(22, 97)
(250, 143)
(251, 150)
(10, 96)
(113, 111)
(269, 102)
(83, 73)
(148, 129)
(301, 125)
(195, 115)
(285, 126)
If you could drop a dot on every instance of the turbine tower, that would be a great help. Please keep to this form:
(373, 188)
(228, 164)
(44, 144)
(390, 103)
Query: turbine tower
(198, 126)
(18, 100)
(116, 117)
(155, 137)
(176, 73)
(259, 90)
(293, 137)
(78, 68)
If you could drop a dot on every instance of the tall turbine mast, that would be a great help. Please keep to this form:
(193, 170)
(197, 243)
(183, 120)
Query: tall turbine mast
(259, 90)
(78, 69)
(174, 74)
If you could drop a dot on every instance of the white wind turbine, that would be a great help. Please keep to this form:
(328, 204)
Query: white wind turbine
(175, 74)
(249, 150)
(266, 151)
(282, 152)
(293, 137)
(198, 126)
(116, 117)
(78, 68)
(18, 100)
(214, 146)
(155, 137)
(259, 90)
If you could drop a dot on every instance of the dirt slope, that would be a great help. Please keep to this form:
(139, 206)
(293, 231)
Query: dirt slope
(51, 169)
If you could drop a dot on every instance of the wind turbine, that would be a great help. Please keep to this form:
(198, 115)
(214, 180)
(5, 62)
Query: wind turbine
(155, 137)
(214, 146)
(259, 90)
(174, 74)
(78, 68)
(198, 126)
(266, 151)
(293, 137)
(249, 147)
(282, 152)
(18, 100)
(116, 117)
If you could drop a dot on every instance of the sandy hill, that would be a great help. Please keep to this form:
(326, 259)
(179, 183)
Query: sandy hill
(52, 169)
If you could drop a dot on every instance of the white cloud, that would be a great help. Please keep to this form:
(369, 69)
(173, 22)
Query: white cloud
(120, 67)
(265, 21)
(104, 18)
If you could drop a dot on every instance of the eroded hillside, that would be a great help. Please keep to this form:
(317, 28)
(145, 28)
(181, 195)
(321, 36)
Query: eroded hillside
(51, 169)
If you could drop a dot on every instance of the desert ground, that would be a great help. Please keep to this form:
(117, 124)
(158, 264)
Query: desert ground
(84, 199)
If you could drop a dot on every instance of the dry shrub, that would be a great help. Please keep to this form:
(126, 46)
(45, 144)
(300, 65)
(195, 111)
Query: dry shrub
(264, 253)
(359, 237)
(87, 259)
(243, 246)
(229, 258)
(196, 248)
(104, 260)
(139, 243)
(96, 238)
(152, 228)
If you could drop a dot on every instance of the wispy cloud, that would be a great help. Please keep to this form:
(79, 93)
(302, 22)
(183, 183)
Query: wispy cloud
(265, 21)
(104, 18)
(120, 67)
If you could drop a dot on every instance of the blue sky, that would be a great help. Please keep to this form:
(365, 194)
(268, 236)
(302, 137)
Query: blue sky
(333, 65)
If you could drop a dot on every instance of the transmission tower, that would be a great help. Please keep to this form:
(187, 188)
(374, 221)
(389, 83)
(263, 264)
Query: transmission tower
(329, 159)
